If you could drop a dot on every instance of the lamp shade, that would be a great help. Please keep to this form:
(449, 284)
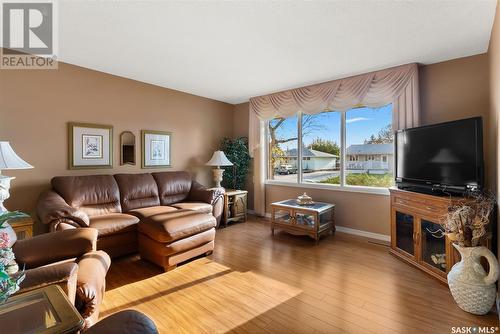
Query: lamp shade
(219, 159)
(9, 159)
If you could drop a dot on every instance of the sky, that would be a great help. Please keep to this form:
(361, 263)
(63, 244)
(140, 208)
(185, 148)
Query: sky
(360, 124)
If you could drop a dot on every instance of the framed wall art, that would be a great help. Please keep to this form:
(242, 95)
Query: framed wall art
(90, 146)
(156, 149)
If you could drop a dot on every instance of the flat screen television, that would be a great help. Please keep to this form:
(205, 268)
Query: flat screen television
(445, 156)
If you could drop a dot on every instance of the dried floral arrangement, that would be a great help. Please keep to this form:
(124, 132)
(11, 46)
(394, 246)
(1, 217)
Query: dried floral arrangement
(466, 222)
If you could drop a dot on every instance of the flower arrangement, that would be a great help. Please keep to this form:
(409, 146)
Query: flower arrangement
(466, 222)
(10, 276)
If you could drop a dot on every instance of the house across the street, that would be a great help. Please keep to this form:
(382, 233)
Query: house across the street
(313, 160)
(370, 158)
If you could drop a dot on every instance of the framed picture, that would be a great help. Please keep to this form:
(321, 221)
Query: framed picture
(90, 146)
(156, 148)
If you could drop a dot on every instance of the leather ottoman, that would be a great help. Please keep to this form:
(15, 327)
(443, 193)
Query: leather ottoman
(169, 238)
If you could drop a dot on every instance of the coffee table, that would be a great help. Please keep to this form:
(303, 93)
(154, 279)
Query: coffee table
(313, 220)
(45, 310)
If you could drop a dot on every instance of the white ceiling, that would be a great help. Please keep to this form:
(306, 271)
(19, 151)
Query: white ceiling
(233, 50)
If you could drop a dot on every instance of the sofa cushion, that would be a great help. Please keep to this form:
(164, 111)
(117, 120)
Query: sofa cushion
(178, 246)
(113, 223)
(137, 191)
(150, 211)
(172, 226)
(173, 187)
(93, 194)
(196, 206)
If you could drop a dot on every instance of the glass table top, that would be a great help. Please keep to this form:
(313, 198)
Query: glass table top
(37, 308)
(46, 310)
(316, 206)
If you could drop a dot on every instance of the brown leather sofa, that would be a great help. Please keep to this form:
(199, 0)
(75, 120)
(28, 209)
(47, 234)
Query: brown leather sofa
(70, 260)
(167, 216)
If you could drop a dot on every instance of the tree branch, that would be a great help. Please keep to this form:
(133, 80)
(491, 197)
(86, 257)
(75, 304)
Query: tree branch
(281, 141)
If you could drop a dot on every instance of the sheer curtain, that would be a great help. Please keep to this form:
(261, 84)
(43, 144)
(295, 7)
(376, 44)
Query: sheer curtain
(397, 85)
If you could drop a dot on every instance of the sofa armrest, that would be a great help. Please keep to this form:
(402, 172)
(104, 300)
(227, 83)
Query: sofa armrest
(52, 208)
(63, 224)
(62, 274)
(200, 193)
(91, 284)
(53, 247)
(218, 209)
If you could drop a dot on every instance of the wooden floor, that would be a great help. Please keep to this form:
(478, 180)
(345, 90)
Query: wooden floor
(254, 283)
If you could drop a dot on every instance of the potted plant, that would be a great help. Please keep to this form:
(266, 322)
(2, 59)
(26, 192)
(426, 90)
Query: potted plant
(10, 276)
(466, 224)
(236, 150)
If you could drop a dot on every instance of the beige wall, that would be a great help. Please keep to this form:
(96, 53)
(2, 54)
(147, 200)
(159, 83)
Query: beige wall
(458, 89)
(240, 129)
(240, 120)
(36, 106)
(449, 90)
(366, 212)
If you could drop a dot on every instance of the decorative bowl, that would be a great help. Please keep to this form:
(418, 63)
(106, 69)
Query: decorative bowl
(304, 199)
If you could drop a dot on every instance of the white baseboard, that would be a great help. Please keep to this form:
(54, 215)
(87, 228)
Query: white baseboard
(252, 212)
(348, 230)
(371, 235)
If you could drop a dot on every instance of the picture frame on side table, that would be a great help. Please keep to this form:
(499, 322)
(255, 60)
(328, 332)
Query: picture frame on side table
(156, 149)
(90, 146)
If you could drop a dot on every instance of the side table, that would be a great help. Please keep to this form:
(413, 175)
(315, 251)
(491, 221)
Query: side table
(313, 220)
(235, 206)
(46, 310)
(23, 227)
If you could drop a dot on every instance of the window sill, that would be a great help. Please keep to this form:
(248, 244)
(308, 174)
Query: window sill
(354, 189)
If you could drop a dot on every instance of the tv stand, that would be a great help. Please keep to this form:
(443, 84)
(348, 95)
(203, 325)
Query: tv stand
(436, 190)
(424, 190)
(417, 234)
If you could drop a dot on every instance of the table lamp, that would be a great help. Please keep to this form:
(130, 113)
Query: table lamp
(8, 160)
(218, 159)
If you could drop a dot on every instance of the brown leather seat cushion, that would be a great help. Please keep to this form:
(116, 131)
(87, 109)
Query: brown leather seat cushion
(113, 223)
(178, 246)
(172, 226)
(150, 211)
(195, 206)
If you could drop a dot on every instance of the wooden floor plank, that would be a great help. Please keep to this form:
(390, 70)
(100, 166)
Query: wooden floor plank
(256, 283)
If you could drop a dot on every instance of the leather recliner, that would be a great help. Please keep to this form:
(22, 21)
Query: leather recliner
(174, 216)
(69, 259)
(128, 321)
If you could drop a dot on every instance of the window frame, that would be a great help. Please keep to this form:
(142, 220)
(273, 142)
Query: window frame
(343, 186)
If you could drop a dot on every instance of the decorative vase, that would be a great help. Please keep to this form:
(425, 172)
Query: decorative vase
(472, 288)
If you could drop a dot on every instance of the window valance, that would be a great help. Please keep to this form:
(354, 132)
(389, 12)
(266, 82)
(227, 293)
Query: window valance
(373, 89)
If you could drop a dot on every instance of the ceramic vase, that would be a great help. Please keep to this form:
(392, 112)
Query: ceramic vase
(472, 288)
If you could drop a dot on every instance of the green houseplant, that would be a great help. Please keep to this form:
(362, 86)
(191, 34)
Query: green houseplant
(236, 151)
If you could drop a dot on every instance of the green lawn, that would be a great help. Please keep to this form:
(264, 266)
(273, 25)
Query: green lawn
(382, 180)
